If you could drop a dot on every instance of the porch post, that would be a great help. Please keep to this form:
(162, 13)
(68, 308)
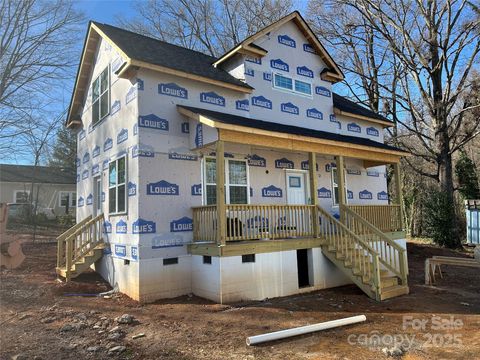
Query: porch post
(312, 172)
(341, 183)
(398, 190)
(220, 192)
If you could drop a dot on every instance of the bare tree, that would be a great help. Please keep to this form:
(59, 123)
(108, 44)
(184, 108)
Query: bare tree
(38, 50)
(209, 26)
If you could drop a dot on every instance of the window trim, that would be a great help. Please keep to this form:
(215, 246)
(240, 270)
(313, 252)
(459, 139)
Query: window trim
(107, 69)
(227, 179)
(116, 186)
(15, 192)
(294, 80)
(72, 194)
(335, 205)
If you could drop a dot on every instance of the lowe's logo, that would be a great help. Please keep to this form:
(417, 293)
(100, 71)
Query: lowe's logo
(249, 71)
(256, 160)
(182, 224)
(142, 226)
(309, 48)
(279, 65)
(199, 135)
(107, 227)
(257, 222)
(261, 101)
(89, 199)
(289, 108)
(143, 151)
(120, 250)
(95, 169)
(267, 76)
(108, 144)
(96, 151)
(152, 121)
(365, 195)
(187, 157)
(185, 128)
(134, 252)
(254, 60)
(166, 241)
(80, 201)
(373, 173)
(105, 164)
(323, 91)
(314, 114)
(352, 127)
(304, 71)
(115, 107)
(287, 41)
(372, 131)
(121, 227)
(271, 191)
(196, 189)
(329, 167)
(284, 163)
(212, 98)
(131, 94)
(349, 194)
(116, 64)
(162, 187)
(354, 172)
(324, 193)
(85, 174)
(132, 189)
(172, 89)
(242, 105)
(382, 195)
(86, 158)
(122, 136)
(140, 84)
(305, 165)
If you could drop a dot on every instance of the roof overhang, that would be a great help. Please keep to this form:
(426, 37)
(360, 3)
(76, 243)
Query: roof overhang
(370, 155)
(332, 74)
(384, 124)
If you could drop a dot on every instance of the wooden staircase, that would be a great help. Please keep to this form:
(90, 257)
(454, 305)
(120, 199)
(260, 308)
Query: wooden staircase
(80, 247)
(374, 262)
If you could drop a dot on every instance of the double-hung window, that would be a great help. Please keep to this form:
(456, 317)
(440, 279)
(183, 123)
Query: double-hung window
(101, 96)
(236, 181)
(293, 85)
(67, 198)
(117, 189)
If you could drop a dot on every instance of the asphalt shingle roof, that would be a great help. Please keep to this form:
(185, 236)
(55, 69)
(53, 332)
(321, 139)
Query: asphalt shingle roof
(43, 174)
(287, 129)
(157, 52)
(346, 105)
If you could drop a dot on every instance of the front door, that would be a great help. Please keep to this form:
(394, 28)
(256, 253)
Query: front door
(97, 196)
(296, 188)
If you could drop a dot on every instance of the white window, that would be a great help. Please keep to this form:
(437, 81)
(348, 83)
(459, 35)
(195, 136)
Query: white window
(67, 197)
(335, 195)
(101, 96)
(236, 181)
(21, 196)
(283, 82)
(117, 189)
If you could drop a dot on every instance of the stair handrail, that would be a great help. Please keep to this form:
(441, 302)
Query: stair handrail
(73, 243)
(400, 269)
(374, 273)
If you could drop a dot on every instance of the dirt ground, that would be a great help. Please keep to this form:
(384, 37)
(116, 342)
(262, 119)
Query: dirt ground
(41, 319)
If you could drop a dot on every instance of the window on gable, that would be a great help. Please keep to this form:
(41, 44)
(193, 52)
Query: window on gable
(236, 181)
(117, 189)
(293, 85)
(101, 96)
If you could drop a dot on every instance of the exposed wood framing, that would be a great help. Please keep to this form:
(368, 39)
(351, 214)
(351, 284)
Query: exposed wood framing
(312, 173)
(385, 124)
(398, 190)
(220, 189)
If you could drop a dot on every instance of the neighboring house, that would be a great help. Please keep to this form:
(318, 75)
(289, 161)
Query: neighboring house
(53, 188)
(159, 126)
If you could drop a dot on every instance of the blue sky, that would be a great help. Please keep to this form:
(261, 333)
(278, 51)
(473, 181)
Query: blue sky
(105, 10)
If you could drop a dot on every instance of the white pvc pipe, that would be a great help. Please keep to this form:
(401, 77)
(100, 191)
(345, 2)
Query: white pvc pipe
(257, 339)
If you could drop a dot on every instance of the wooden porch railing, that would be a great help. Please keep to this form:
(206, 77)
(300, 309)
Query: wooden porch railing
(79, 240)
(251, 222)
(387, 218)
(391, 254)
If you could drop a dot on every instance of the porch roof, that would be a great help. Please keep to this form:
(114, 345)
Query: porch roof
(236, 120)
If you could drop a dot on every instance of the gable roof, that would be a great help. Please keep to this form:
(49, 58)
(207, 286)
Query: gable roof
(41, 175)
(333, 72)
(287, 129)
(344, 106)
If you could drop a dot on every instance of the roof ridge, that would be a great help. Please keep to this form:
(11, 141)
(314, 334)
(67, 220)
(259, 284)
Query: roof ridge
(152, 38)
